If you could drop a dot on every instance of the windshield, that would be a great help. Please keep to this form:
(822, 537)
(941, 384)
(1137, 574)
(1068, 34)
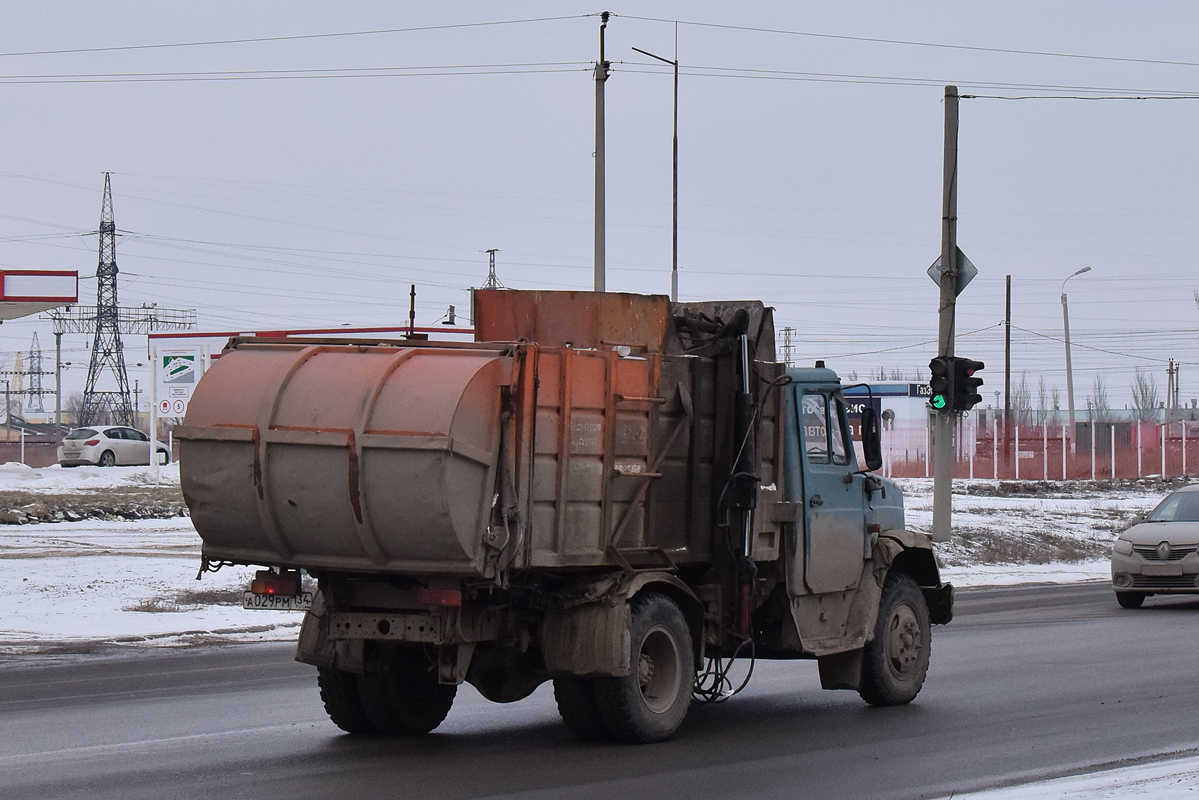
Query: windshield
(81, 433)
(1178, 507)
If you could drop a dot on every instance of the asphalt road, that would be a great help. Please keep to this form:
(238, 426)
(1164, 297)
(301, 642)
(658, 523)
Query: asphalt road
(1026, 682)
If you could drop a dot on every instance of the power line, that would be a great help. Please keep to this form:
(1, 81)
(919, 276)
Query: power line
(286, 75)
(292, 38)
(917, 43)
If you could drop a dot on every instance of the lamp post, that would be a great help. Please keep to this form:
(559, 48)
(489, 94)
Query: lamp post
(1069, 370)
(674, 250)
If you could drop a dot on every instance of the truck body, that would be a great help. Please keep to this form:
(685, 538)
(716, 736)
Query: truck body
(611, 491)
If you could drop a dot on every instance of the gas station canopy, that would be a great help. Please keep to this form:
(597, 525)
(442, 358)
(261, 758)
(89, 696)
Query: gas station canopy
(25, 291)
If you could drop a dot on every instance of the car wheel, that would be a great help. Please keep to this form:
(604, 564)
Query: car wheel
(107, 459)
(1130, 599)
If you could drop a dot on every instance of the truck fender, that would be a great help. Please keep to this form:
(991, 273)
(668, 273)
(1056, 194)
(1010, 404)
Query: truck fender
(591, 638)
(911, 553)
(316, 648)
(691, 606)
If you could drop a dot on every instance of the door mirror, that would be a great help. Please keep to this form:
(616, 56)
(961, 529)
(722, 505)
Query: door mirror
(872, 446)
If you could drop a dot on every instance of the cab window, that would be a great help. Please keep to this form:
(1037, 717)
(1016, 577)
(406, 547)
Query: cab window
(837, 429)
(813, 421)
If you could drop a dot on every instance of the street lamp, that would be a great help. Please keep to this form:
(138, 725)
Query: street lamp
(674, 252)
(1069, 371)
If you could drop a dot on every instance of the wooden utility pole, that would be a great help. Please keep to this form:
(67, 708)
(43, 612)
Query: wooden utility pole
(943, 440)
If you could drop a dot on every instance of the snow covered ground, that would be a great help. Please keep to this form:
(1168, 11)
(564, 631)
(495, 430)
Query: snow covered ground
(97, 585)
(1172, 779)
(90, 585)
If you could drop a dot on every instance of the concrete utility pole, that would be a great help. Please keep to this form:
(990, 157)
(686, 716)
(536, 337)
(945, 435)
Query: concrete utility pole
(1069, 369)
(601, 76)
(943, 444)
(1007, 376)
(58, 383)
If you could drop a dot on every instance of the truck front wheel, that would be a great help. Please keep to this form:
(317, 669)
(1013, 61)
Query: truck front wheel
(649, 704)
(895, 662)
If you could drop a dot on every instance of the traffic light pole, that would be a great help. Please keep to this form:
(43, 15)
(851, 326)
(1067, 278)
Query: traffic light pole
(943, 433)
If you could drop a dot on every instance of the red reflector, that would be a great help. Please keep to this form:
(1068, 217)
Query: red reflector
(267, 582)
(91, 443)
(450, 598)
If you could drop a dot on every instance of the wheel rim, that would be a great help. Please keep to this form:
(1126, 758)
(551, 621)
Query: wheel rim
(904, 642)
(659, 670)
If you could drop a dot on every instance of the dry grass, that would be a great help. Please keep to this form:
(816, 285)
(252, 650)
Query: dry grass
(984, 546)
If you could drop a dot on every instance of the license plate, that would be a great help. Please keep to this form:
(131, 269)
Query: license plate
(1162, 570)
(277, 602)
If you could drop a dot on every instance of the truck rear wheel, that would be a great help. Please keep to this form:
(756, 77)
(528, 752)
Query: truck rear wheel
(895, 662)
(579, 708)
(403, 696)
(649, 704)
(339, 693)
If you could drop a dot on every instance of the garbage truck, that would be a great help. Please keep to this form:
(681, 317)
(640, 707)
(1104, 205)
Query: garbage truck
(620, 494)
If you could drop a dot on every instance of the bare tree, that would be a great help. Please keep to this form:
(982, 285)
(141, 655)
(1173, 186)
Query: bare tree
(1144, 395)
(1056, 399)
(1022, 414)
(1042, 398)
(1100, 410)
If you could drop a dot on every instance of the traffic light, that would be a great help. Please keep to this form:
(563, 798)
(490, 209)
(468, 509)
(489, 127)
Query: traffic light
(938, 384)
(965, 385)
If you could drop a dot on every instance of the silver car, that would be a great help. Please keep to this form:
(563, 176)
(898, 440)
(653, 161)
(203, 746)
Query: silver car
(108, 446)
(1159, 555)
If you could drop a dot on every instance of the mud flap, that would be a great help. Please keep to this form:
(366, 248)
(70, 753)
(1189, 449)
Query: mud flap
(587, 640)
(316, 648)
(940, 603)
(841, 671)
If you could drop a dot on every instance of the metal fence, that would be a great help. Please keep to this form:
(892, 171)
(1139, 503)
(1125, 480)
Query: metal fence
(1097, 451)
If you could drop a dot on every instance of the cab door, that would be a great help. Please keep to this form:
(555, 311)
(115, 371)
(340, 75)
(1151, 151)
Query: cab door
(834, 515)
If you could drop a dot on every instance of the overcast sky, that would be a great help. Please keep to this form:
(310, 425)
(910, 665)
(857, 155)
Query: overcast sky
(810, 167)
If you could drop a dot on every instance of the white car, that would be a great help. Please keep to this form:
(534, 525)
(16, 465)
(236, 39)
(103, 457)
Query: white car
(108, 446)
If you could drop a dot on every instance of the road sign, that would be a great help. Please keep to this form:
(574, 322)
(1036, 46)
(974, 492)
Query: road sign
(966, 271)
(176, 372)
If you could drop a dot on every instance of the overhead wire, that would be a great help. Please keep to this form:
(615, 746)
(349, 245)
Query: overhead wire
(291, 37)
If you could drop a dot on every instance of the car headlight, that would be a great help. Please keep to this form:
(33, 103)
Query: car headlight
(1123, 547)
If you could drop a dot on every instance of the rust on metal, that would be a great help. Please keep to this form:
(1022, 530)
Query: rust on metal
(583, 320)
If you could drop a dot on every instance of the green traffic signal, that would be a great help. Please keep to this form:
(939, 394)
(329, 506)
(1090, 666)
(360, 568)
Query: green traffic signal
(938, 384)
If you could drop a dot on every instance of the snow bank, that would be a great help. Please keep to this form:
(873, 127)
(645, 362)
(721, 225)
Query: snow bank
(16, 477)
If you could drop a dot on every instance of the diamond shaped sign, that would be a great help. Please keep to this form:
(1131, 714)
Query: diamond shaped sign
(966, 271)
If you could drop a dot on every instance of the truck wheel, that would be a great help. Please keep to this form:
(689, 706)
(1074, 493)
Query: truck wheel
(1130, 599)
(405, 698)
(895, 662)
(580, 709)
(339, 693)
(649, 704)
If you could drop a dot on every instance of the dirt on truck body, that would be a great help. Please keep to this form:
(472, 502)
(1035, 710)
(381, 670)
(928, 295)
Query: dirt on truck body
(610, 491)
